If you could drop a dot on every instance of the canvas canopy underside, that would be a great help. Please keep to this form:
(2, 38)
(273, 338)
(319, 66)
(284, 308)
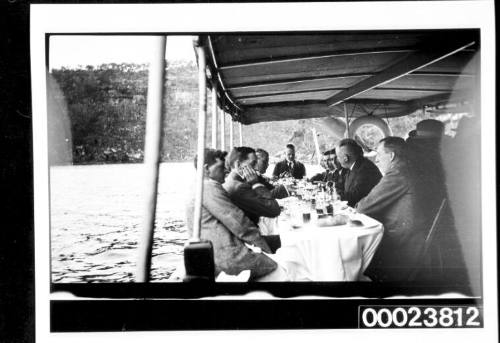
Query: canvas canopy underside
(269, 77)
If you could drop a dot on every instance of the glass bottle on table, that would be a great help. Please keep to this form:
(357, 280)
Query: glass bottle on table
(306, 213)
(319, 204)
(313, 203)
(335, 195)
(329, 206)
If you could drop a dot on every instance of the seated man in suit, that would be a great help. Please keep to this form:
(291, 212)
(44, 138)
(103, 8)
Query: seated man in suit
(424, 149)
(227, 227)
(399, 202)
(327, 175)
(339, 175)
(334, 172)
(362, 175)
(277, 192)
(244, 188)
(289, 167)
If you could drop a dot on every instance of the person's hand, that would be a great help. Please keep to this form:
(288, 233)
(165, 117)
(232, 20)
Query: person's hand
(291, 188)
(285, 174)
(250, 175)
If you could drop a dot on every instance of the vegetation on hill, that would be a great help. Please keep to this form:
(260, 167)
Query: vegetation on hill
(106, 108)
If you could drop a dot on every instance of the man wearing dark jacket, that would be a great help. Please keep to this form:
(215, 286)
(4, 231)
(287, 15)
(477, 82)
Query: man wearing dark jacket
(327, 175)
(244, 188)
(226, 226)
(333, 173)
(362, 174)
(277, 192)
(399, 202)
(289, 167)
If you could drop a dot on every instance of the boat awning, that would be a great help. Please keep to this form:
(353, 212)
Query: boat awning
(283, 76)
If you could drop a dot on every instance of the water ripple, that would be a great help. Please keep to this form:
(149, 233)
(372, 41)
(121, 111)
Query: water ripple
(96, 219)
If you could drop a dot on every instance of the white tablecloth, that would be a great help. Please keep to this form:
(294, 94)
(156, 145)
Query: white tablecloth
(336, 253)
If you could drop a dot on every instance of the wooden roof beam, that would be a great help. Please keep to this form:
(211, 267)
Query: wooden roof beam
(414, 62)
(315, 90)
(227, 96)
(304, 57)
(457, 95)
(308, 110)
(336, 77)
(296, 80)
(285, 111)
(370, 101)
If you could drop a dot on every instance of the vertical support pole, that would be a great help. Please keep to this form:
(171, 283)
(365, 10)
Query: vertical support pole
(222, 131)
(154, 121)
(231, 135)
(346, 120)
(214, 115)
(477, 87)
(202, 118)
(316, 145)
(241, 135)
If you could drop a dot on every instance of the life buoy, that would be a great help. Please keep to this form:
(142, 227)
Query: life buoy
(369, 120)
(335, 126)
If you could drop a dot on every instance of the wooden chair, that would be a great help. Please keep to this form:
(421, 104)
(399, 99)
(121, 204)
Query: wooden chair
(429, 239)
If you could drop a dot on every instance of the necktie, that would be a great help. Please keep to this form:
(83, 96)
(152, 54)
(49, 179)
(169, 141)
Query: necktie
(346, 176)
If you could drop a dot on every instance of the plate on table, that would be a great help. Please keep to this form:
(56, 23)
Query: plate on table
(336, 220)
(340, 205)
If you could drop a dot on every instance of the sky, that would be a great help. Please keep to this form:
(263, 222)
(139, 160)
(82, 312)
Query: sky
(72, 51)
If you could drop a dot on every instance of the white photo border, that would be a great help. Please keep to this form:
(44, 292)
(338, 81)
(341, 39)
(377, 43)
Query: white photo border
(229, 17)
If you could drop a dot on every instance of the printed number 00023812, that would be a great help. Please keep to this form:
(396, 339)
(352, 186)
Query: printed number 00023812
(420, 317)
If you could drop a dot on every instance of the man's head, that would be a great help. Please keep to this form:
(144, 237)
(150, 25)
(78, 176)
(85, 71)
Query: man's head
(324, 159)
(389, 151)
(412, 134)
(290, 153)
(335, 160)
(262, 160)
(332, 162)
(213, 164)
(429, 128)
(240, 157)
(348, 152)
(328, 159)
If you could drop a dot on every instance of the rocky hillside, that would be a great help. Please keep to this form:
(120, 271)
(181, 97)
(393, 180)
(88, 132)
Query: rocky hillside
(105, 109)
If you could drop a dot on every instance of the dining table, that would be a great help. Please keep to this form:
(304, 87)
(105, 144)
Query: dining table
(316, 246)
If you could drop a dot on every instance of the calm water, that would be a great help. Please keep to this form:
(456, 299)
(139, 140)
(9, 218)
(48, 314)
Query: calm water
(96, 219)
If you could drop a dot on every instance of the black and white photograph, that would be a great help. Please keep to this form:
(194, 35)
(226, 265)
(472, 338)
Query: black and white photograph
(265, 167)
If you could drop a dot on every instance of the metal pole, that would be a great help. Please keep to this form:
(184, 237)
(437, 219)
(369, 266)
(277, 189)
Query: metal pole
(476, 97)
(222, 131)
(154, 121)
(214, 115)
(231, 135)
(346, 119)
(202, 118)
(315, 137)
(241, 135)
